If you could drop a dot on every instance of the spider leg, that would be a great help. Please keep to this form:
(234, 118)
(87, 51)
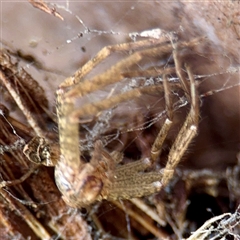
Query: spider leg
(157, 145)
(68, 132)
(186, 134)
(96, 107)
(114, 74)
(106, 52)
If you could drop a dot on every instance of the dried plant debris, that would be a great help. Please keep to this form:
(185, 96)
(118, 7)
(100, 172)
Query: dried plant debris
(40, 4)
(225, 226)
(31, 206)
(24, 91)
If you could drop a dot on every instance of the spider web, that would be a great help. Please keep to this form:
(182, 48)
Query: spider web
(51, 50)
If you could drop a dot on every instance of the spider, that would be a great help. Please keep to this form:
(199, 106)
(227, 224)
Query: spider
(83, 183)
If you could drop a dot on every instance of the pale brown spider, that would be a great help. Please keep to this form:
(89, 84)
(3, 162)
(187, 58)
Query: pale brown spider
(81, 183)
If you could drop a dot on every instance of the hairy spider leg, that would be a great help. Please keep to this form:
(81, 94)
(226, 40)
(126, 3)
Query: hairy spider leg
(186, 133)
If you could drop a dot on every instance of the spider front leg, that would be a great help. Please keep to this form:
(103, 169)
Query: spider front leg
(157, 145)
(187, 132)
(80, 183)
